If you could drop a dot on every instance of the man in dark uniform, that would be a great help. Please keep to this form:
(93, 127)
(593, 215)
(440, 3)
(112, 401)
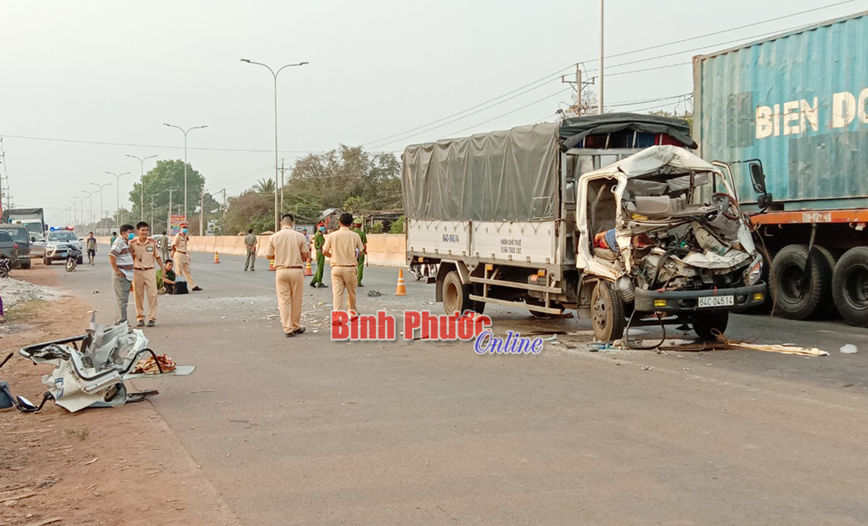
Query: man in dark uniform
(360, 272)
(318, 242)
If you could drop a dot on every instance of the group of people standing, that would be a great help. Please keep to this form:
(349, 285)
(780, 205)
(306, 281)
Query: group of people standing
(290, 251)
(135, 257)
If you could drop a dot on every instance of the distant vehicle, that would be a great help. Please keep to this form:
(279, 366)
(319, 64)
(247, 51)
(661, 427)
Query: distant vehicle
(32, 218)
(58, 244)
(21, 236)
(8, 248)
(37, 246)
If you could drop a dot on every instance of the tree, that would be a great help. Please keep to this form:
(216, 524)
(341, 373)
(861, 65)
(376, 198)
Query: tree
(165, 176)
(252, 209)
(584, 105)
(265, 187)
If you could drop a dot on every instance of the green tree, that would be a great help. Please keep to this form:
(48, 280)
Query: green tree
(397, 226)
(265, 187)
(165, 176)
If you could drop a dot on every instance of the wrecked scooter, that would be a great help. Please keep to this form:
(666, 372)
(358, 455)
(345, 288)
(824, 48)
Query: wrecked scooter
(91, 370)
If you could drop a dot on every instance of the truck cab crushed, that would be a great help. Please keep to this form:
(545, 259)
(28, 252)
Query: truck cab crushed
(610, 216)
(656, 229)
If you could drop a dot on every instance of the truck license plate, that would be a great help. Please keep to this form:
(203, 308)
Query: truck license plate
(63, 255)
(716, 301)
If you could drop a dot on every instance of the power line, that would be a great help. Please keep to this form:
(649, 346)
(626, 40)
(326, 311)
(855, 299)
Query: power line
(102, 143)
(546, 78)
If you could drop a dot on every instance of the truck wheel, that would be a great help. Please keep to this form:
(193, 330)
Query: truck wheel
(456, 297)
(850, 286)
(27, 264)
(793, 298)
(607, 313)
(705, 324)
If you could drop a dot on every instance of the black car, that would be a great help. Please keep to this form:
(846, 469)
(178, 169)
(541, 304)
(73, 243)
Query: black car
(8, 248)
(21, 236)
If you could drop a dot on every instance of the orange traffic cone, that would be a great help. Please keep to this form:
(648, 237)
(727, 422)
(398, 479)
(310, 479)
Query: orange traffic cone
(271, 264)
(216, 257)
(402, 289)
(307, 270)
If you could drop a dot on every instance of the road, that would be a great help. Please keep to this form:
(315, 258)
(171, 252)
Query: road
(309, 431)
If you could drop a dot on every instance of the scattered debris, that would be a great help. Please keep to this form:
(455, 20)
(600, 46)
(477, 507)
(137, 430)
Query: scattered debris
(848, 349)
(374, 294)
(89, 462)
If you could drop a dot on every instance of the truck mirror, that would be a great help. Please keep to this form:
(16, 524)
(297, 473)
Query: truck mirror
(758, 177)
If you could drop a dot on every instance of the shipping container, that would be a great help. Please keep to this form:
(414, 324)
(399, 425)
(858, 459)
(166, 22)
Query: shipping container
(798, 102)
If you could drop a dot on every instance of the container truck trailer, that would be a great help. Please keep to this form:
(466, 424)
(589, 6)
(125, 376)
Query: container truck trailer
(580, 215)
(799, 102)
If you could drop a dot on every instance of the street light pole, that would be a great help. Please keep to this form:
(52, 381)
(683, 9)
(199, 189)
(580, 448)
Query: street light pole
(142, 162)
(118, 211)
(90, 205)
(100, 186)
(185, 132)
(601, 107)
(276, 179)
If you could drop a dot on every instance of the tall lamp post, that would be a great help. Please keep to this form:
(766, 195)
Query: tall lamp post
(276, 179)
(100, 186)
(142, 183)
(90, 205)
(118, 211)
(185, 132)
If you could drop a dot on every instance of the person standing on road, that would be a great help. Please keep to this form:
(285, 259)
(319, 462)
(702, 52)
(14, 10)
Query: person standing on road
(91, 247)
(181, 256)
(341, 247)
(121, 260)
(318, 242)
(145, 259)
(250, 244)
(361, 254)
(290, 252)
(163, 243)
(113, 239)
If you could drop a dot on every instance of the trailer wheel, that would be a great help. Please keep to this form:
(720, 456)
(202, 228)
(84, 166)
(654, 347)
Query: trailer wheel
(799, 296)
(850, 286)
(607, 313)
(456, 296)
(706, 324)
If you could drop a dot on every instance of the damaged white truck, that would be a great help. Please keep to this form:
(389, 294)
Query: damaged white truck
(611, 216)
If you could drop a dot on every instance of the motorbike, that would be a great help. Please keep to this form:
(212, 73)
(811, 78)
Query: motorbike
(428, 271)
(72, 255)
(90, 370)
(5, 267)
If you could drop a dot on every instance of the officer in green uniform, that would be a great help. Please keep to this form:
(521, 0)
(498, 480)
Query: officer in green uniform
(318, 242)
(357, 228)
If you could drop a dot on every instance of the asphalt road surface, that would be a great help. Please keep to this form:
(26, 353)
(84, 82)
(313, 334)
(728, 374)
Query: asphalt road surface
(310, 431)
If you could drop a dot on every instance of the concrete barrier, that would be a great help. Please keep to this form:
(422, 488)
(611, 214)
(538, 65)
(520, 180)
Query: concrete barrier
(387, 250)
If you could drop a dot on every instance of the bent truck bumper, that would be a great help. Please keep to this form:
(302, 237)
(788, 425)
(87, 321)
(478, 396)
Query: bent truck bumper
(688, 300)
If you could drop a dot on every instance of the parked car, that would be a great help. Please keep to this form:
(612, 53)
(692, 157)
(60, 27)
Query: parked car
(37, 245)
(57, 245)
(21, 236)
(8, 248)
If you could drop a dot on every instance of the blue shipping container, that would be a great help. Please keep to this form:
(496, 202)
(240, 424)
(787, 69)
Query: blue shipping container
(798, 102)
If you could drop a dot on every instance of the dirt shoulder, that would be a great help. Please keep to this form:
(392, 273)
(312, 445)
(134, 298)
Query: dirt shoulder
(99, 466)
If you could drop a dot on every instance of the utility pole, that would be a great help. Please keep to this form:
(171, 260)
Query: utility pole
(282, 184)
(202, 212)
(169, 214)
(152, 212)
(601, 106)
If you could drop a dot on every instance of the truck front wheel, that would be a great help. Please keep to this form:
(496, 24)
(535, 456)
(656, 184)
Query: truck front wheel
(706, 325)
(850, 286)
(456, 296)
(607, 313)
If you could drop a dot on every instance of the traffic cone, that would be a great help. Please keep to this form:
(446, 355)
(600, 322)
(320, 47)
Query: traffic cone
(271, 264)
(402, 289)
(307, 270)
(216, 257)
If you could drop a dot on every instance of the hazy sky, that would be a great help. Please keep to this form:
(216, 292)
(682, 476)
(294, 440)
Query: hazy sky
(114, 71)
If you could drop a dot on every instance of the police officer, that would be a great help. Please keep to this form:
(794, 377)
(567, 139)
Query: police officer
(181, 257)
(341, 247)
(361, 255)
(318, 242)
(146, 257)
(290, 251)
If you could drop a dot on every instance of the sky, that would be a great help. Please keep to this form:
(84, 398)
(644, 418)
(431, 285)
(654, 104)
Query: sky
(381, 73)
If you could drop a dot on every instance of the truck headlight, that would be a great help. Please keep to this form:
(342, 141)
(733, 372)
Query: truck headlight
(755, 271)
